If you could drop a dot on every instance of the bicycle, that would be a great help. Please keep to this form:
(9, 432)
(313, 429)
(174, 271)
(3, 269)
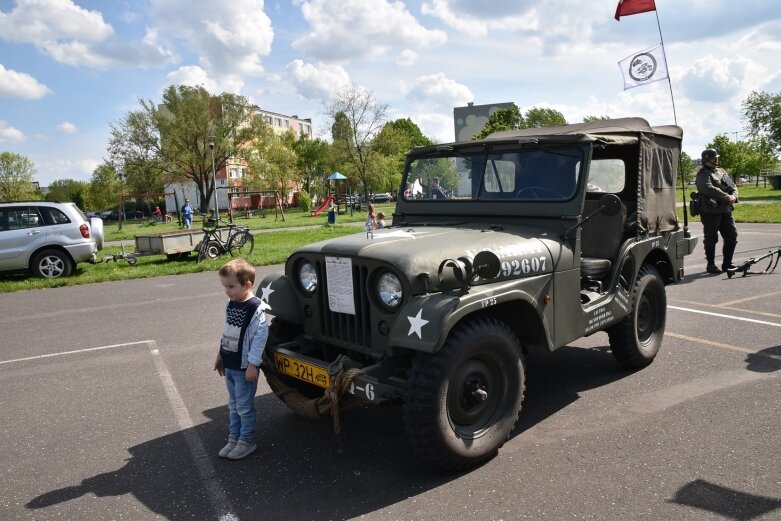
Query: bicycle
(239, 243)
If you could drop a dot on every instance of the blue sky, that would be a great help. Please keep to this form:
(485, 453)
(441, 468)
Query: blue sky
(68, 69)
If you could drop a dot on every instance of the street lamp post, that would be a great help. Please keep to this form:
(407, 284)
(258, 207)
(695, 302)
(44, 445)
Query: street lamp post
(214, 179)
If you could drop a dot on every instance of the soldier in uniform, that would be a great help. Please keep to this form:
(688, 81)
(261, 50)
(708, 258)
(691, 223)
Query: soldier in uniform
(717, 195)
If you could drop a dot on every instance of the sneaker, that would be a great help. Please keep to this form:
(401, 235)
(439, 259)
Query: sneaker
(242, 449)
(712, 268)
(228, 448)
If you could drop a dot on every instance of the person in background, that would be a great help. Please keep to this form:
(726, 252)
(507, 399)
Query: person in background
(242, 344)
(158, 214)
(436, 191)
(717, 195)
(371, 219)
(187, 215)
(380, 220)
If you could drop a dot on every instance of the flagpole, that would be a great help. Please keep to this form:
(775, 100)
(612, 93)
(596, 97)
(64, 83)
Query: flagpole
(669, 82)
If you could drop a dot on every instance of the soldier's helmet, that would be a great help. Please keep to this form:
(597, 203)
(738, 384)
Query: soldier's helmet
(709, 154)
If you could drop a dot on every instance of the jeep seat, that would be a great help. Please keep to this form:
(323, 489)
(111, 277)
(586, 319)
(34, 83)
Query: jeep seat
(600, 239)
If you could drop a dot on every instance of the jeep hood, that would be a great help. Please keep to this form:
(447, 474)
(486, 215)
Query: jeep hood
(421, 249)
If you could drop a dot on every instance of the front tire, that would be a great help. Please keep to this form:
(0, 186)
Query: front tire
(463, 401)
(636, 340)
(51, 264)
(209, 250)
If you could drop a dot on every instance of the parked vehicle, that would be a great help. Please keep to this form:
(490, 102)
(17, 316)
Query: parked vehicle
(47, 238)
(380, 198)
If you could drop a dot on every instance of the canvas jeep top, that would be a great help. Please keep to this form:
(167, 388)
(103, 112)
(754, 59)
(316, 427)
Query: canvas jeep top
(530, 237)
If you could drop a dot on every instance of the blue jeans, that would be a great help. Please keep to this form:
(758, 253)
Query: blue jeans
(241, 404)
(187, 221)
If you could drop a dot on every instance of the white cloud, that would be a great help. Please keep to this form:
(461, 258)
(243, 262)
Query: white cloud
(66, 127)
(9, 133)
(20, 85)
(479, 17)
(75, 36)
(71, 168)
(229, 37)
(436, 91)
(343, 29)
(193, 76)
(715, 79)
(406, 58)
(317, 81)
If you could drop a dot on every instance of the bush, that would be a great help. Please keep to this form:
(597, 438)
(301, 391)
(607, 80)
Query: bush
(304, 201)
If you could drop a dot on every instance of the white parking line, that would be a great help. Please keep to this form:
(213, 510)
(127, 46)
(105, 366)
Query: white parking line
(87, 350)
(217, 496)
(720, 315)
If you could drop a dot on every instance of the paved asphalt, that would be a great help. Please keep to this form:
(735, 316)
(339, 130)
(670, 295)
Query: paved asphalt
(110, 410)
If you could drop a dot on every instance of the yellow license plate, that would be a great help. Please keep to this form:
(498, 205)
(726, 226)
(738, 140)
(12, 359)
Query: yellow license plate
(303, 371)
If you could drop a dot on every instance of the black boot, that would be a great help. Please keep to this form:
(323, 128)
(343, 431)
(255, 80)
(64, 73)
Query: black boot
(710, 255)
(726, 262)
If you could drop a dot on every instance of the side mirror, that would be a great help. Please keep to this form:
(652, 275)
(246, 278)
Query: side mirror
(610, 204)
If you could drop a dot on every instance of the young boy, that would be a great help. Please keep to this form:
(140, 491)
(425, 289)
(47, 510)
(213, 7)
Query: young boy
(241, 349)
(380, 220)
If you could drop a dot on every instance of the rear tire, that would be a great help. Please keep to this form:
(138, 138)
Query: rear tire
(463, 401)
(51, 264)
(636, 340)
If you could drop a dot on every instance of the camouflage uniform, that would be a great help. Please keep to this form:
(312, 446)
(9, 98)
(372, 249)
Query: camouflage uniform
(715, 187)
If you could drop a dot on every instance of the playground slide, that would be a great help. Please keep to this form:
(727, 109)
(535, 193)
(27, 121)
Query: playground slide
(322, 206)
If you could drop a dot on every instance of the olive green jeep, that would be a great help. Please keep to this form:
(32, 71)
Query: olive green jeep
(531, 237)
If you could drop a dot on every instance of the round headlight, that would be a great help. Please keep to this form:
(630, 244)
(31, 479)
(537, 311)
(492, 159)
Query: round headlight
(389, 290)
(307, 277)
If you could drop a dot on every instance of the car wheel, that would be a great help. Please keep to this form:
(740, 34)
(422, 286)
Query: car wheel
(463, 401)
(51, 264)
(635, 340)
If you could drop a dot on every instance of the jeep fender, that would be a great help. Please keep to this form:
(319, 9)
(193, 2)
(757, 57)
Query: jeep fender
(425, 321)
(277, 291)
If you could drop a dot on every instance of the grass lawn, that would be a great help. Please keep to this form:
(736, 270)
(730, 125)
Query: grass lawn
(259, 221)
(764, 212)
(270, 248)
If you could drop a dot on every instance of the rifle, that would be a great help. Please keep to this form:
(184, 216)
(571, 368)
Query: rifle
(744, 267)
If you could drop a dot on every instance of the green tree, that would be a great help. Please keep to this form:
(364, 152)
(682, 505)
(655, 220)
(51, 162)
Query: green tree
(537, 117)
(509, 118)
(68, 190)
(356, 118)
(594, 119)
(172, 139)
(762, 112)
(687, 167)
(272, 161)
(17, 175)
(104, 187)
(392, 144)
(313, 159)
(743, 157)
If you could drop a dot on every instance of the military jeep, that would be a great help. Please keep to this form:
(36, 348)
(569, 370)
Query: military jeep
(539, 237)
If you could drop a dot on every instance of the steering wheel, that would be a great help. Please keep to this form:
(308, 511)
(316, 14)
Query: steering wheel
(538, 192)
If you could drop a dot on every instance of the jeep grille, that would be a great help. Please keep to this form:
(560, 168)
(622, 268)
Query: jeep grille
(342, 328)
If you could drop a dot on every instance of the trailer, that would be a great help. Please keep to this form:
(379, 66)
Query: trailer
(177, 244)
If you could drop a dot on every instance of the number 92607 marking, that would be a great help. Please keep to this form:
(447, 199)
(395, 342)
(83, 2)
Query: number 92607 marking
(524, 266)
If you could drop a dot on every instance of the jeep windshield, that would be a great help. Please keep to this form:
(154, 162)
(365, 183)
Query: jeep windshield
(530, 174)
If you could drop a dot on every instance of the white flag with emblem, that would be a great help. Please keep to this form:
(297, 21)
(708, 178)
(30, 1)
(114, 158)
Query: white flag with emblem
(646, 66)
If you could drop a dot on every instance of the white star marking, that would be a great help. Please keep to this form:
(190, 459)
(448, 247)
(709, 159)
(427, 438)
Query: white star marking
(416, 323)
(267, 291)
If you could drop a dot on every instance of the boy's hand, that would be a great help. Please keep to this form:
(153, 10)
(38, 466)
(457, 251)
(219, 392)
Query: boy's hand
(251, 374)
(218, 365)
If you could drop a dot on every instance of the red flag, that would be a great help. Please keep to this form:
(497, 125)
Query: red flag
(627, 7)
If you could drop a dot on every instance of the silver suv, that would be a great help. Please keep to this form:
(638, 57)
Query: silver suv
(48, 238)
